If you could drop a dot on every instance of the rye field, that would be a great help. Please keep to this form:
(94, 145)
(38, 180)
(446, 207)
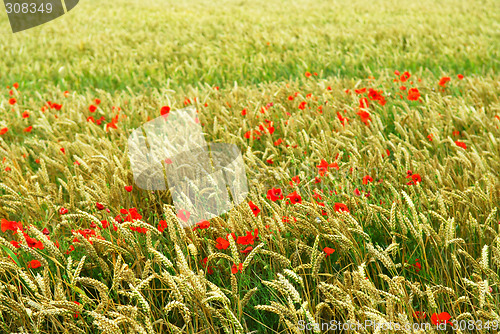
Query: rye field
(370, 134)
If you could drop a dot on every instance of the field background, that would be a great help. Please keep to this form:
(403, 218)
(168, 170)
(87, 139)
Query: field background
(224, 57)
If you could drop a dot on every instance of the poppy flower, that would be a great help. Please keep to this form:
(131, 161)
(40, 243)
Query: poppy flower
(275, 194)
(92, 108)
(3, 131)
(162, 225)
(430, 137)
(221, 243)
(165, 110)
(419, 315)
(341, 207)
(294, 198)
(323, 167)
(329, 251)
(246, 250)
(28, 129)
(26, 114)
(113, 123)
(405, 76)
(235, 269)
(128, 188)
(15, 243)
(302, 105)
(255, 209)
(33, 264)
(183, 215)
(367, 179)
(295, 180)
(365, 116)
(413, 94)
(363, 103)
(460, 76)
(10, 225)
(202, 225)
(342, 119)
(277, 142)
(444, 81)
(417, 266)
(440, 318)
(63, 150)
(461, 144)
(12, 101)
(97, 101)
(99, 206)
(15, 85)
(308, 74)
(243, 112)
(360, 91)
(63, 211)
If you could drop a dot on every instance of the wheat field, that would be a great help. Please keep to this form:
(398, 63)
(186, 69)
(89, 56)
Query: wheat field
(370, 134)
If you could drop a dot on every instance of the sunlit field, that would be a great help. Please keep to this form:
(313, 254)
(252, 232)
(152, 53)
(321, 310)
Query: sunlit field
(370, 133)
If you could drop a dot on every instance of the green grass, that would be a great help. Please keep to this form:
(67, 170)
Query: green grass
(148, 44)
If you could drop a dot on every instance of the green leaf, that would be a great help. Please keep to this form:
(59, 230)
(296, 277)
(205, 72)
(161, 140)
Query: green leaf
(12, 255)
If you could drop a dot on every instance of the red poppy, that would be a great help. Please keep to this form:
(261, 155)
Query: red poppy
(26, 114)
(294, 198)
(302, 105)
(221, 243)
(329, 251)
(365, 116)
(367, 179)
(92, 108)
(430, 137)
(275, 194)
(461, 144)
(440, 318)
(10, 225)
(97, 101)
(295, 180)
(360, 91)
(341, 207)
(63, 150)
(342, 119)
(202, 225)
(277, 142)
(363, 103)
(405, 76)
(308, 74)
(255, 209)
(3, 131)
(15, 85)
(99, 206)
(243, 112)
(15, 243)
(460, 76)
(63, 211)
(323, 167)
(235, 269)
(28, 129)
(12, 101)
(419, 315)
(128, 188)
(413, 94)
(33, 264)
(113, 123)
(32, 242)
(443, 81)
(162, 225)
(165, 110)
(247, 250)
